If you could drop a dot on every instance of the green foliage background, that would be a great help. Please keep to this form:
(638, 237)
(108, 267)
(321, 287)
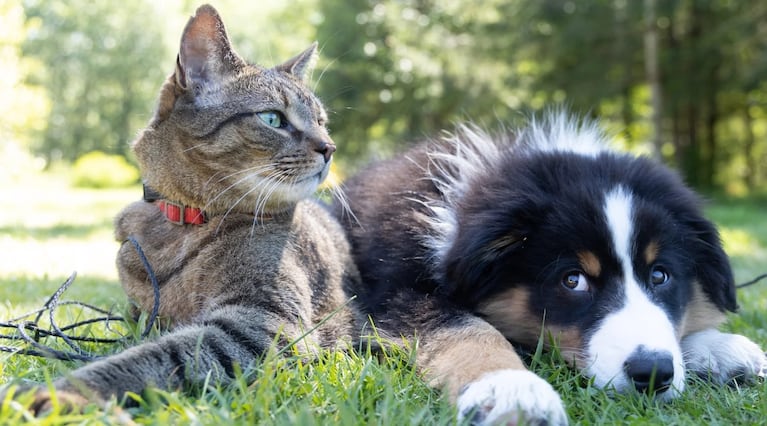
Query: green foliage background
(82, 76)
(78, 77)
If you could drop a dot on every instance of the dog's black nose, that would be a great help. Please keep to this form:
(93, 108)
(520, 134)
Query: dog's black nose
(651, 371)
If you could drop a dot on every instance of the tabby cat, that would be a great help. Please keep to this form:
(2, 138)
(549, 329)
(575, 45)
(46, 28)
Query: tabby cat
(242, 256)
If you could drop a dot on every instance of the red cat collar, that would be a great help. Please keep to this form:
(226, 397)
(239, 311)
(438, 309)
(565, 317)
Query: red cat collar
(175, 212)
(180, 214)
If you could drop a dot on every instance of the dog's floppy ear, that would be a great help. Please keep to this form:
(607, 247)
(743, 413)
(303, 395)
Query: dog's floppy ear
(469, 266)
(482, 245)
(712, 266)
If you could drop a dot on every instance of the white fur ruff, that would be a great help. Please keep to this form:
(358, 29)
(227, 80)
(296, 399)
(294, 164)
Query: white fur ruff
(472, 150)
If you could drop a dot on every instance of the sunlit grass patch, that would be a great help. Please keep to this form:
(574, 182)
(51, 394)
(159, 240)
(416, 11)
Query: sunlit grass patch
(743, 227)
(49, 229)
(739, 242)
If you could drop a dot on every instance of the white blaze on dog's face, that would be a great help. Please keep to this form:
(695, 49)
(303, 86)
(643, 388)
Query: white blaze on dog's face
(606, 255)
(638, 339)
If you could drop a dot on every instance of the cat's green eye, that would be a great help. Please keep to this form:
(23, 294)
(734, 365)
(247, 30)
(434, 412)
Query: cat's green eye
(273, 119)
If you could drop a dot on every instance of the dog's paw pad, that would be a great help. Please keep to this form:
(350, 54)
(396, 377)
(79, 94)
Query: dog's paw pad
(724, 357)
(511, 397)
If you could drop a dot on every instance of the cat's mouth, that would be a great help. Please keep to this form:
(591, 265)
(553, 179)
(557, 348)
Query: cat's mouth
(318, 177)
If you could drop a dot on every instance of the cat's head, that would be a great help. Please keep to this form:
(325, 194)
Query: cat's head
(232, 136)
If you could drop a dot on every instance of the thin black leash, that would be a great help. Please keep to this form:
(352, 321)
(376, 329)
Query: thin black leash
(31, 332)
(752, 282)
(22, 326)
(155, 286)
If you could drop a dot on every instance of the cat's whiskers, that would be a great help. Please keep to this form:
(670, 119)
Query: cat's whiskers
(260, 207)
(265, 181)
(195, 147)
(255, 172)
(259, 168)
(337, 192)
(271, 186)
(207, 182)
(210, 179)
(317, 82)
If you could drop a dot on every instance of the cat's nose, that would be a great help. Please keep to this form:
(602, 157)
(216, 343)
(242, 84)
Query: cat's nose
(326, 149)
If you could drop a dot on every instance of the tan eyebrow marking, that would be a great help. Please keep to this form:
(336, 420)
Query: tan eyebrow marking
(651, 252)
(495, 247)
(590, 263)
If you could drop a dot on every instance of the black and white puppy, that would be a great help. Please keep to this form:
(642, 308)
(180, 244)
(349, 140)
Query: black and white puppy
(476, 244)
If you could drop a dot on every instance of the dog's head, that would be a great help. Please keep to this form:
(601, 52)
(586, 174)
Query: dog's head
(607, 254)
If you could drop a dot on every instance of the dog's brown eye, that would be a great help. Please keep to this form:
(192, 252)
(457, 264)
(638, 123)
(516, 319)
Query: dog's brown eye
(576, 281)
(659, 276)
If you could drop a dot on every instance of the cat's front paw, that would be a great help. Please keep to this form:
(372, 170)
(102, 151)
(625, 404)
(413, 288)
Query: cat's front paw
(723, 357)
(44, 401)
(511, 397)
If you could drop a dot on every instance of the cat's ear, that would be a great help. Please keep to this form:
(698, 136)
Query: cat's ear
(205, 55)
(301, 64)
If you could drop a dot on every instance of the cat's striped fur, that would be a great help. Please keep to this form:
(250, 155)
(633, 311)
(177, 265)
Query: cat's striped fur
(247, 145)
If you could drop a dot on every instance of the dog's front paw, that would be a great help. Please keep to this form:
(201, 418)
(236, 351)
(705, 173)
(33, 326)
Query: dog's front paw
(511, 397)
(723, 357)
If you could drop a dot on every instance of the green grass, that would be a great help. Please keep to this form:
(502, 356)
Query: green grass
(47, 230)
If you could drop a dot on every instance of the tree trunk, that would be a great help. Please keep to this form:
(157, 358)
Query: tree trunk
(626, 62)
(691, 155)
(653, 75)
(691, 68)
(748, 148)
(675, 100)
(709, 159)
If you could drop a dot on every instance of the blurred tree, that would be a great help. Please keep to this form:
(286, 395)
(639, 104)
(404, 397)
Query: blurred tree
(716, 53)
(392, 72)
(652, 69)
(401, 70)
(591, 57)
(711, 54)
(101, 68)
(740, 40)
(22, 108)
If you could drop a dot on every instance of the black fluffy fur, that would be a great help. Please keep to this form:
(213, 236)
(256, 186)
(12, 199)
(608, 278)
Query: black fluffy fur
(544, 206)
